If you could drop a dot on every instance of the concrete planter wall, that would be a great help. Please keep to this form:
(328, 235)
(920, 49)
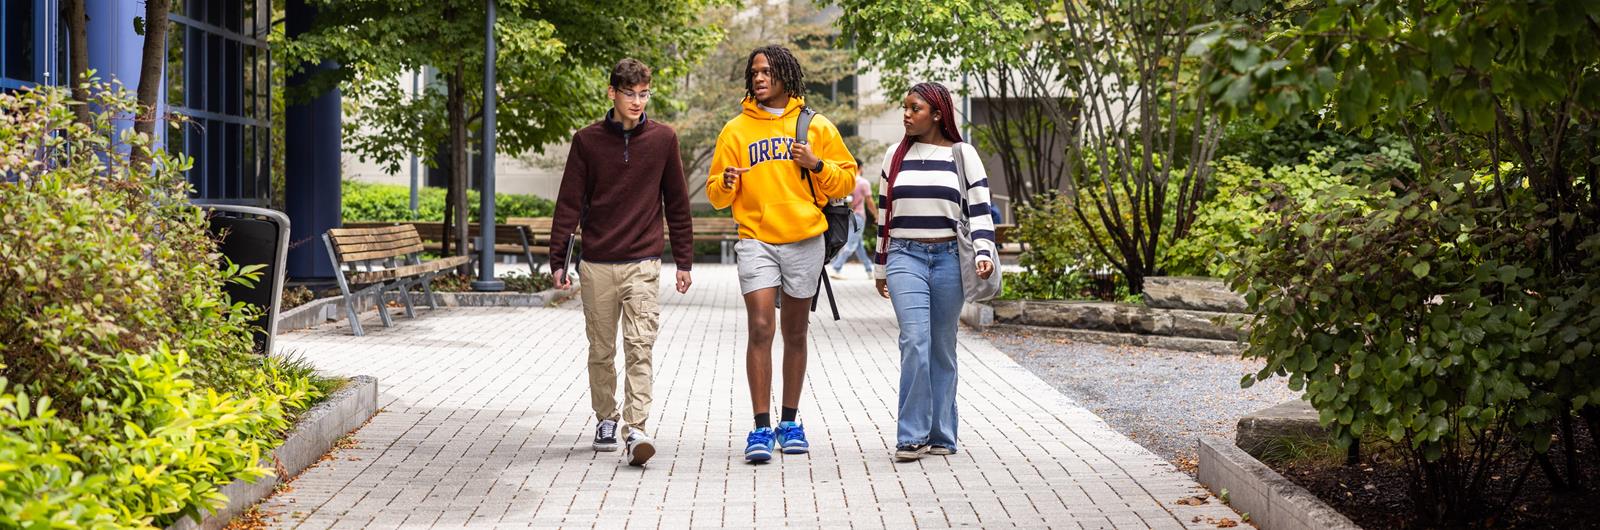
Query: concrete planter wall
(313, 436)
(1273, 502)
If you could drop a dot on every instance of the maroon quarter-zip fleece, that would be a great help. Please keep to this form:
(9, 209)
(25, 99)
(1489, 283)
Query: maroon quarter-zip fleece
(616, 184)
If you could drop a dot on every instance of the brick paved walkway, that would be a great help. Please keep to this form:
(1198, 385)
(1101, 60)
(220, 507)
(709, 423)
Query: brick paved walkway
(486, 422)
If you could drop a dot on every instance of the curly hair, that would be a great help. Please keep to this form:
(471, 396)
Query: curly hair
(785, 68)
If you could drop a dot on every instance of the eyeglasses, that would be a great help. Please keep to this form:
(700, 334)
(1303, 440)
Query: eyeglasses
(635, 96)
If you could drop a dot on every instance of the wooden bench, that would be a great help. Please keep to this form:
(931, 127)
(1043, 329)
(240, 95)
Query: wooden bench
(1002, 240)
(379, 259)
(509, 239)
(723, 230)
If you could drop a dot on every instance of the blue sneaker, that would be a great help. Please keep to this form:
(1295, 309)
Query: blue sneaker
(792, 438)
(758, 446)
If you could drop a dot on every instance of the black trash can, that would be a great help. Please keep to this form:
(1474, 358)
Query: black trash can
(254, 236)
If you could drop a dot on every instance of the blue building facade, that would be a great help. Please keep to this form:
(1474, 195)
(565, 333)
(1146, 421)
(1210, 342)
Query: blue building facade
(217, 75)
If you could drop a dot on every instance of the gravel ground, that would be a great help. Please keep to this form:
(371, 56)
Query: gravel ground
(1161, 399)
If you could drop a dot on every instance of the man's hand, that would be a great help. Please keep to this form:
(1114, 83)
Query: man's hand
(561, 279)
(801, 153)
(684, 282)
(985, 269)
(730, 176)
(883, 288)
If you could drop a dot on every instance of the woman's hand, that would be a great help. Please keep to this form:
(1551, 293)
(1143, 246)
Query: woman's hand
(883, 287)
(985, 269)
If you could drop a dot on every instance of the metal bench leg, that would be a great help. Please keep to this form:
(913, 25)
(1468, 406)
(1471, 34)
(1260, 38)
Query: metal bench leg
(427, 289)
(383, 307)
(344, 288)
(727, 252)
(527, 253)
(405, 297)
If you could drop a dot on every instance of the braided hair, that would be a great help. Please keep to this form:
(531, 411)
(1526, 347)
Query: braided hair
(938, 97)
(785, 68)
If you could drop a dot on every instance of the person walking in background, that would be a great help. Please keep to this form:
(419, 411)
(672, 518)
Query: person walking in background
(860, 203)
(756, 170)
(603, 191)
(925, 199)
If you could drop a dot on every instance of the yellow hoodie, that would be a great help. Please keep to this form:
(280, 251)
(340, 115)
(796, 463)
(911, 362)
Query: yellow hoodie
(771, 202)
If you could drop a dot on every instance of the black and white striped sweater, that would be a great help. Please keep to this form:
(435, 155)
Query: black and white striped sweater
(927, 199)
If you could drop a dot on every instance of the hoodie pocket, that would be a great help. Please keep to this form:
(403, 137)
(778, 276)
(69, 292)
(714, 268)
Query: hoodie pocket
(789, 221)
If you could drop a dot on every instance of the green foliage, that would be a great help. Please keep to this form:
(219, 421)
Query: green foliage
(1058, 253)
(1417, 314)
(391, 202)
(1454, 314)
(128, 391)
(553, 64)
(1245, 200)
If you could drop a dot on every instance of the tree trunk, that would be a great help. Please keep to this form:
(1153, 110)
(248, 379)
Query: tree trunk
(78, 63)
(150, 67)
(457, 103)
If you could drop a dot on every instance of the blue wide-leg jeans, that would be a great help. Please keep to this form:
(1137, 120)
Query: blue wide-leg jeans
(925, 286)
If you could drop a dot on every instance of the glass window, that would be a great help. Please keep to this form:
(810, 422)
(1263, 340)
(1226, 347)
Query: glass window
(175, 60)
(19, 43)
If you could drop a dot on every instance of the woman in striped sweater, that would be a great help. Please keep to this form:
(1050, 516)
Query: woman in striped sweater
(922, 195)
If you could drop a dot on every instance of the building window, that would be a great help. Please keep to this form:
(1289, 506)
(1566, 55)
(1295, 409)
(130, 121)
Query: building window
(24, 41)
(218, 78)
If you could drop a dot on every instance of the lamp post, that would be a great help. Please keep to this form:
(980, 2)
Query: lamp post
(486, 279)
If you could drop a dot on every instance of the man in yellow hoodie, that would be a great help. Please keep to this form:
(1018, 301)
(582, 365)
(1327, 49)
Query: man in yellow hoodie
(757, 170)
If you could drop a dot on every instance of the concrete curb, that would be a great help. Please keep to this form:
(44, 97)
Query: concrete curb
(313, 436)
(318, 312)
(1273, 502)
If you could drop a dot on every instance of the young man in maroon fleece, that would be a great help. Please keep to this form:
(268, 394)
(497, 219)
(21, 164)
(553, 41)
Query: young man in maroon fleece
(623, 175)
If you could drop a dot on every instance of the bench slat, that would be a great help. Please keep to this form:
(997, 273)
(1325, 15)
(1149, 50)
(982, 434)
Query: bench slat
(384, 275)
(385, 253)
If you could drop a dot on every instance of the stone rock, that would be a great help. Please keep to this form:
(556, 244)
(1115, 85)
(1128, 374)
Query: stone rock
(1121, 318)
(1294, 419)
(1197, 294)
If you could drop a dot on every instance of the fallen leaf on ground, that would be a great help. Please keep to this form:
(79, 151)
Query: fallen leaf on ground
(1196, 500)
(1227, 523)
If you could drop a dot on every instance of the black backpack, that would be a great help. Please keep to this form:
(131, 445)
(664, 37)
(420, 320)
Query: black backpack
(838, 216)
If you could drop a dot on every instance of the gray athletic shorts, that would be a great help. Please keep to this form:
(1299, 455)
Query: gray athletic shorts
(796, 266)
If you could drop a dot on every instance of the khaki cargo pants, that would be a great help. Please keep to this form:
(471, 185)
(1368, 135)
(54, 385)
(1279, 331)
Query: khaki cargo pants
(626, 290)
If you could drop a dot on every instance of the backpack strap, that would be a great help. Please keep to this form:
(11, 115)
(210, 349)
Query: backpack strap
(802, 130)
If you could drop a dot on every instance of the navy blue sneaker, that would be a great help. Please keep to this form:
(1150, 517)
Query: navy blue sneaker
(758, 446)
(792, 438)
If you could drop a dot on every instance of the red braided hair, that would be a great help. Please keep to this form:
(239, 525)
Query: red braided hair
(937, 97)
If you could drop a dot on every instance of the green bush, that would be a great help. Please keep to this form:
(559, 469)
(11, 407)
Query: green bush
(128, 392)
(1431, 317)
(1225, 228)
(389, 202)
(1059, 252)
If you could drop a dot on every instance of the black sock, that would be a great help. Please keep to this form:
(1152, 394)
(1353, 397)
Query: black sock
(764, 420)
(789, 414)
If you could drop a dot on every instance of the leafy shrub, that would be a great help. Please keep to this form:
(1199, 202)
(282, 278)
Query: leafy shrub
(1059, 253)
(1225, 228)
(128, 392)
(389, 202)
(1432, 318)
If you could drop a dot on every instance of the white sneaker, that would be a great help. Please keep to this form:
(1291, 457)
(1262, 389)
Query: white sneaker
(640, 448)
(836, 275)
